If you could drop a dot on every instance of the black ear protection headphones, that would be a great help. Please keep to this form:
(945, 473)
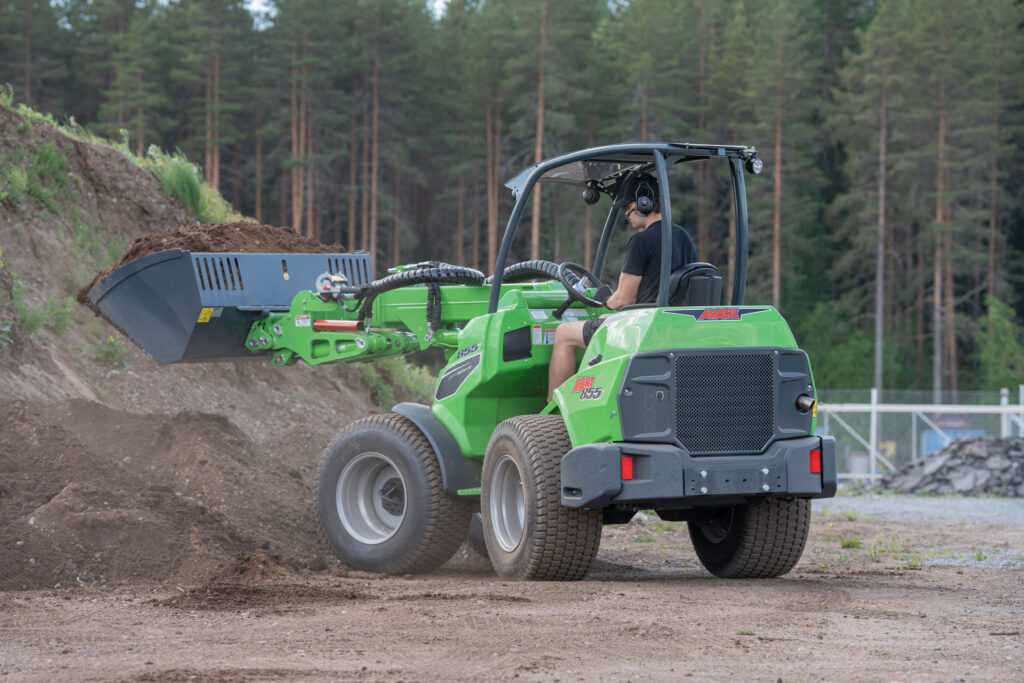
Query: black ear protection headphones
(645, 195)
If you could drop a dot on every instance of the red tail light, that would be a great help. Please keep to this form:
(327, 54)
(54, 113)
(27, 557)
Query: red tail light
(627, 467)
(815, 462)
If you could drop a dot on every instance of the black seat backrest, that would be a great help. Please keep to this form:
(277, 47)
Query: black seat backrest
(695, 284)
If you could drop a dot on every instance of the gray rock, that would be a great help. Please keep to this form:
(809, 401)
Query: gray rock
(982, 478)
(963, 482)
(998, 462)
(936, 462)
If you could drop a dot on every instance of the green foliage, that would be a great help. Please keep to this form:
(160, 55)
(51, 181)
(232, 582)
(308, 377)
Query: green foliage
(6, 95)
(854, 542)
(394, 378)
(110, 353)
(13, 180)
(5, 333)
(1000, 347)
(51, 316)
(40, 175)
(182, 179)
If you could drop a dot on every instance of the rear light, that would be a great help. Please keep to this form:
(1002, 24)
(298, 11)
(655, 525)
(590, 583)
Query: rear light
(815, 462)
(627, 467)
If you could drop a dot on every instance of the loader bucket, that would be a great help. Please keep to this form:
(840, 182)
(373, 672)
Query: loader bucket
(181, 306)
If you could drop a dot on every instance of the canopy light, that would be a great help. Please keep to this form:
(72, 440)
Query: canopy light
(591, 195)
(755, 165)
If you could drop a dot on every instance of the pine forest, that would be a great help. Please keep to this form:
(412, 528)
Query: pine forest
(888, 225)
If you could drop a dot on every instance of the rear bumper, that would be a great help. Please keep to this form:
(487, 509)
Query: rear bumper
(663, 473)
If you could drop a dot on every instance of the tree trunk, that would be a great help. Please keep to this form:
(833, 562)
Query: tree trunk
(294, 91)
(880, 252)
(489, 175)
(312, 230)
(236, 177)
(28, 52)
(375, 150)
(215, 141)
(460, 227)
(941, 220)
(140, 117)
(937, 323)
(396, 243)
(950, 302)
(476, 226)
(703, 181)
(259, 165)
(364, 191)
(777, 179)
(353, 191)
(538, 149)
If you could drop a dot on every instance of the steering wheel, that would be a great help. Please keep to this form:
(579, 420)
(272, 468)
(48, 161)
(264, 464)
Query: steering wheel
(575, 278)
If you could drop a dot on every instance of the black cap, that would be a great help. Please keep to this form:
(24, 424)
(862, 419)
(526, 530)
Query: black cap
(631, 188)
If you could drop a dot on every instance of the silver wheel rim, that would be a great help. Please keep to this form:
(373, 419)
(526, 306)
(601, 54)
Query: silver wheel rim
(370, 498)
(507, 504)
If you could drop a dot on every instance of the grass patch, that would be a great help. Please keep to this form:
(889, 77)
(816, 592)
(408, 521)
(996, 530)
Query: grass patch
(110, 353)
(851, 515)
(845, 542)
(745, 631)
(6, 95)
(51, 316)
(393, 376)
(642, 539)
(40, 175)
(182, 179)
(5, 333)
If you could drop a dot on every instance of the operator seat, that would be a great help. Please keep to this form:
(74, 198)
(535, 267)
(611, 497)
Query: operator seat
(695, 284)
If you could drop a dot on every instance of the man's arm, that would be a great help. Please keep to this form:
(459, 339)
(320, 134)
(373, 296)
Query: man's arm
(625, 293)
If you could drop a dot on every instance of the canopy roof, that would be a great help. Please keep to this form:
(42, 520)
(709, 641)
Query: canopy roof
(608, 165)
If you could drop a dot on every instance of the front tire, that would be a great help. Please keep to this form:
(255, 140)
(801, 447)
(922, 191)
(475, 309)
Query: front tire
(529, 534)
(380, 501)
(753, 541)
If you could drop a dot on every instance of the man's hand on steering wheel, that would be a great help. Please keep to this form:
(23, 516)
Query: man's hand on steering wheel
(575, 278)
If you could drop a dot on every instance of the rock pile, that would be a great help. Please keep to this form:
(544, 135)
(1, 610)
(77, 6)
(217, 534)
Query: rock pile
(968, 466)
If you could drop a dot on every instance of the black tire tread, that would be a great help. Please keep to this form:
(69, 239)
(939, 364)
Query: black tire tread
(565, 540)
(447, 518)
(772, 540)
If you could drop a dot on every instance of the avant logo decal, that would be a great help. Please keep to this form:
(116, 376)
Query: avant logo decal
(585, 388)
(719, 313)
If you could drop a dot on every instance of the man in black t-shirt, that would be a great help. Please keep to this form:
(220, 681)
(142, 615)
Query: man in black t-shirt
(640, 277)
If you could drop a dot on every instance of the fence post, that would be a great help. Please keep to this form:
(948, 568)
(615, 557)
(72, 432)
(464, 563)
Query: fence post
(1004, 418)
(873, 440)
(913, 437)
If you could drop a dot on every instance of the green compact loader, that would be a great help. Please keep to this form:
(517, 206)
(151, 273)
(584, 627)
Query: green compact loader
(701, 411)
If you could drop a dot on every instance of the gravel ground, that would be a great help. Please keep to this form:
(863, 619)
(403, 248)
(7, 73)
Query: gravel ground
(1004, 512)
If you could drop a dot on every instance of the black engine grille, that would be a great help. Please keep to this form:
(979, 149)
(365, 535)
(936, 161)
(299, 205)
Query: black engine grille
(725, 402)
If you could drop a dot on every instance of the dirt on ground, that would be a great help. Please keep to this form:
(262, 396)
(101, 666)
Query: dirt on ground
(648, 611)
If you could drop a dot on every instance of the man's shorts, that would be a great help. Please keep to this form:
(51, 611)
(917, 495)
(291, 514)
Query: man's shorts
(589, 328)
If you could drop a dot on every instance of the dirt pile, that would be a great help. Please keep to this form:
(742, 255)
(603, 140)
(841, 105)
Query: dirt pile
(968, 467)
(244, 237)
(182, 496)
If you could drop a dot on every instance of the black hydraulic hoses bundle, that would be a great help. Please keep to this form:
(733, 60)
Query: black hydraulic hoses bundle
(429, 273)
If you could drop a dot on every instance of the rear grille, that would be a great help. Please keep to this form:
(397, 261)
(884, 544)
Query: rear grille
(725, 402)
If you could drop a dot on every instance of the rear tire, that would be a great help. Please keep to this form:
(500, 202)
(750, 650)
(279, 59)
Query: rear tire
(380, 501)
(529, 534)
(753, 541)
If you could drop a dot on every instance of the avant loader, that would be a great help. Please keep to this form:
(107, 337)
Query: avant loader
(699, 410)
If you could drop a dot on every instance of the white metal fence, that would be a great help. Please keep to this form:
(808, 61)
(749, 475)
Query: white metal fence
(874, 438)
